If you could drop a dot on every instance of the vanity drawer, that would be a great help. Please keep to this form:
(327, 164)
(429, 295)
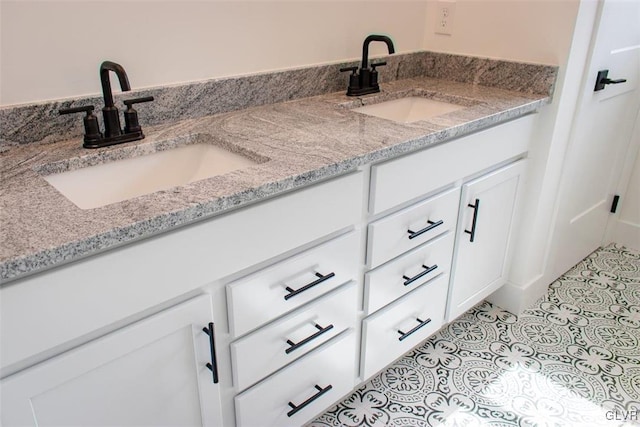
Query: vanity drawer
(382, 340)
(411, 227)
(404, 274)
(406, 178)
(283, 287)
(289, 338)
(303, 385)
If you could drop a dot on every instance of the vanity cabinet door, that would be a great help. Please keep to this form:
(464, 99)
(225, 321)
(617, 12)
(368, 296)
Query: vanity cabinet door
(484, 229)
(153, 372)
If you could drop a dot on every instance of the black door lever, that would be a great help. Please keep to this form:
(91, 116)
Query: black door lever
(602, 80)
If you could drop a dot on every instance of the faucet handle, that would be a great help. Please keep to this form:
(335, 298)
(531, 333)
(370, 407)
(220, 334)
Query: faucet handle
(91, 127)
(379, 64)
(131, 124)
(130, 102)
(352, 69)
(87, 108)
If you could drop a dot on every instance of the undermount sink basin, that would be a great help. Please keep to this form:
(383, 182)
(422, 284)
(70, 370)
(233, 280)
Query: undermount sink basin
(410, 109)
(103, 184)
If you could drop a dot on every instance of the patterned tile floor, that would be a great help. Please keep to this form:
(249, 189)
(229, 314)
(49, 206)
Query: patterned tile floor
(573, 359)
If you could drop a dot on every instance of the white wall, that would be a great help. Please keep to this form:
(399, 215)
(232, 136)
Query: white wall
(52, 49)
(522, 30)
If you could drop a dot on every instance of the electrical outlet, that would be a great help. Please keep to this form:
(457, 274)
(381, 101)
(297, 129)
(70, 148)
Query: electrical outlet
(446, 11)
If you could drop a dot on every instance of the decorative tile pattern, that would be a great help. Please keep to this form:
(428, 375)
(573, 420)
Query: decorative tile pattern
(572, 359)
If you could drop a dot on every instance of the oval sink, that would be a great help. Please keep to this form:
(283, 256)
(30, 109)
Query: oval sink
(103, 184)
(410, 109)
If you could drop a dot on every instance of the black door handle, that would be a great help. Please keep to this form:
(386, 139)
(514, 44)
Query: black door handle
(602, 80)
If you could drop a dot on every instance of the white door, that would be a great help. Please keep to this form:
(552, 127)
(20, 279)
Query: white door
(153, 372)
(600, 137)
(482, 240)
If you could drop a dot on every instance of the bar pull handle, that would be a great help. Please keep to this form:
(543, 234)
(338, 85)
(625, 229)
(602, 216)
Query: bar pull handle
(476, 208)
(295, 408)
(293, 292)
(295, 346)
(431, 226)
(427, 270)
(213, 366)
(421, 323)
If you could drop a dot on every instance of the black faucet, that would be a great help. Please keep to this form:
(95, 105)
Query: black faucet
(110, 113)
(113, 133)
(366, 81)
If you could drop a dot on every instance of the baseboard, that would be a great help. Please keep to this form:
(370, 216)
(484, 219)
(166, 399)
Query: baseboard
(627, 234)
(515, 298)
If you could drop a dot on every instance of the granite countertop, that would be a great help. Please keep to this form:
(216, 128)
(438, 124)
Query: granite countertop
(294, 143)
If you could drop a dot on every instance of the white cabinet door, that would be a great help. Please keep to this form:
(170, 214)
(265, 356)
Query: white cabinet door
(153, 372)
(484, 229)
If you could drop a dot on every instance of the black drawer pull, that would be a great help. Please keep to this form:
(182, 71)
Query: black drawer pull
(476, 208)
(420, 325)
(427, 270)
(292, 293)
(295, 346)
(431, 226)
(213, 366)
(296, 408)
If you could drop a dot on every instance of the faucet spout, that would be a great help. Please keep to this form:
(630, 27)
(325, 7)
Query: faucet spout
(105, 67)
(374, 38)
(110, 112)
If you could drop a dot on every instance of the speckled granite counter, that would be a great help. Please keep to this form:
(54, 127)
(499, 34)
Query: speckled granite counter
(296, 144)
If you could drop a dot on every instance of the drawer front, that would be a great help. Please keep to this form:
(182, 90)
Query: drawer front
(289, 338)
(411, 227)
(301, 391)
(406, 178)
(272, 292)
(382, 343)
(389, 282)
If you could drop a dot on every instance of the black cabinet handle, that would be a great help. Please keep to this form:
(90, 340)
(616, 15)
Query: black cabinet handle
(476, 208)
(213, 366)
(404, 335)
(427, 270)
(431, 226)
(292, 293)
(296, 408)
(295, 346)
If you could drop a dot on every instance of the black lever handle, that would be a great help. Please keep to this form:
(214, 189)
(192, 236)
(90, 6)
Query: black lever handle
(92, 132)
(379, 64)
(130, 102)
(602, 80)
(352, 69)
(131, 124)
(84, 109)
